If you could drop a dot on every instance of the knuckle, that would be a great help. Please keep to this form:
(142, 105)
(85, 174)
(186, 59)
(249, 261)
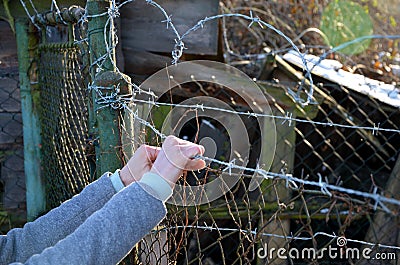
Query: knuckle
(143, 146)
(170, 137)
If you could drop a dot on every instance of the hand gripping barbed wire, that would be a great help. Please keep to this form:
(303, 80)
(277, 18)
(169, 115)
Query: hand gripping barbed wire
(115, 101)
(120, 102)
(324, 186)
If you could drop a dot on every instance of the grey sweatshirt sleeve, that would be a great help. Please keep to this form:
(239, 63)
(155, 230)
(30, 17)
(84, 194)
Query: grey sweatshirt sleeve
(110, 233)
(21, 243)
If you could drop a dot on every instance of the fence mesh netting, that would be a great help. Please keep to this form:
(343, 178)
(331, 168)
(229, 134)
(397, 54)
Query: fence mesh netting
(235, 227)
(12, 179)
(63, 118)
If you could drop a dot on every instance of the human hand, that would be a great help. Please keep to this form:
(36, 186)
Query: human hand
(175, 157)
(140, 163)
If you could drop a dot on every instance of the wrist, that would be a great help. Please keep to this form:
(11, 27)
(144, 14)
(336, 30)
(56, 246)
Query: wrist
(169, 173)
(160, 186)
(116, 181)
(126, 176)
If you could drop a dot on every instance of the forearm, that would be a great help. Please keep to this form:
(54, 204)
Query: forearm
(34, 237)
(110, 233)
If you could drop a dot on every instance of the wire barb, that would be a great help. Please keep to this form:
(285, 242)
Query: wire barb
(255, 20)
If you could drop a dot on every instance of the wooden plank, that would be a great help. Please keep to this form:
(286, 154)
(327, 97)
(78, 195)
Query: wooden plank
(8, 44)
(279, 95)
(142, 27)
(384, 228)
(143, 62)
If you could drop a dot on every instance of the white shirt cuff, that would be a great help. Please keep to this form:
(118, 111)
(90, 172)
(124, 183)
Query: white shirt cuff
(158, 184)
(116, 181)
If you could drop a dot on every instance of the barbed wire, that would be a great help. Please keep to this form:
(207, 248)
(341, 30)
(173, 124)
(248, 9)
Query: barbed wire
(31, 18)
(116, 101)
(179, 45)
(206, 227)
(113, 99)
(287, 118)
(54, 4)
(291, 182)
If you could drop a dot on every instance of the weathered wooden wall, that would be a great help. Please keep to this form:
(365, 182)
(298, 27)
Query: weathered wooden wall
(142, 27)
(147, 42)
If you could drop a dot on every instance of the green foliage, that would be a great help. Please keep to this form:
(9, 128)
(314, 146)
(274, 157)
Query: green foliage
(343, 21)
(393, 21)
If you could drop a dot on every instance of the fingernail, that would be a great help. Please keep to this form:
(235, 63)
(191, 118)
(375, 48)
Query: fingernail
(202, 148)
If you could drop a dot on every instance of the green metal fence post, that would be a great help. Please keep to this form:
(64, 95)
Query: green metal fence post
(105, 123)
(27, 41)
(98, 20)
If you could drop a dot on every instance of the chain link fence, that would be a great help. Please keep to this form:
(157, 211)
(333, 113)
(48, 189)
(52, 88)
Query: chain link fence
(232, 229)
(64, 122)
(12, 178)
(357, 159)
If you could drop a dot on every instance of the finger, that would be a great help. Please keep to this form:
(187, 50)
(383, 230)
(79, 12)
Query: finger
(202, 149)
(152, 152)
(195, 164)
(182, 144)
(187, 143)
(193, 150)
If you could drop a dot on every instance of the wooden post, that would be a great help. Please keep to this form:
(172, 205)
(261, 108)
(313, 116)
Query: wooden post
(27, 41)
